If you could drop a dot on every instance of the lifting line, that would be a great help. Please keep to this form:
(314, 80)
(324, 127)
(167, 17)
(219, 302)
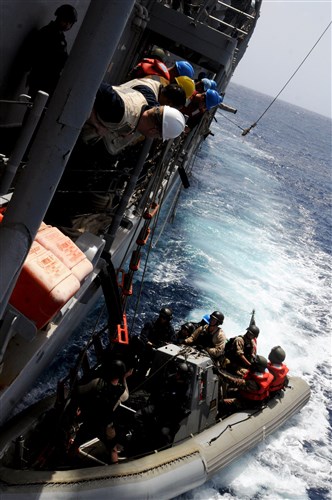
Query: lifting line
(247, 130)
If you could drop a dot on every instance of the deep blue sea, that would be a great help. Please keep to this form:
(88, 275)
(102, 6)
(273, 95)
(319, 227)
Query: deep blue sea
(253, 231)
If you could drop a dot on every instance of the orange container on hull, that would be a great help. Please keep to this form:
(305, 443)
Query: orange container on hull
(44, 286)
(65, 249)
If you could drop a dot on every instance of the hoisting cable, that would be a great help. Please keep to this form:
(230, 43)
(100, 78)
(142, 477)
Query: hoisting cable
(143, 277)
(155, 222)
(151, 211)
(148, 203)
(233, 123)
(247, 130)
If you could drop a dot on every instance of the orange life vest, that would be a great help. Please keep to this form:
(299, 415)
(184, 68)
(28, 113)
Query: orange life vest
(279, 373)
(264, 380)
(151, 67)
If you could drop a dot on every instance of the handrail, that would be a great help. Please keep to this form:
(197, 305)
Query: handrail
(32, 121)
(229, 25)
(249, 16)
(206, 7)
(23, 99)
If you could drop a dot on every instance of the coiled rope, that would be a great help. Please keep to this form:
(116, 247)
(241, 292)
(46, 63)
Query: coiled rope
(247, 130)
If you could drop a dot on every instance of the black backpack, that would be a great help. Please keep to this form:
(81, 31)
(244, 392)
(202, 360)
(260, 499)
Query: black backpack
(230, 346)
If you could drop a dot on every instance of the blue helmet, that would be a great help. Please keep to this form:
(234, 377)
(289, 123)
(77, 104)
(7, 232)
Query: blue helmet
(213, 85)
(212, 99)
(206, 318)
(207, 84)
(185, 69)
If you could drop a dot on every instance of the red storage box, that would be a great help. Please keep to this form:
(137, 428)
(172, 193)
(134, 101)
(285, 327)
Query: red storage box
(45, 284)
(66, 250)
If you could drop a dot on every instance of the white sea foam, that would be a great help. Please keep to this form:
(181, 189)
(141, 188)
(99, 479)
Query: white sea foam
(263, 254)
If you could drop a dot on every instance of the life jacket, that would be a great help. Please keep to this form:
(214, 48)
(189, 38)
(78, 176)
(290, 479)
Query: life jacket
(150, 67)
(264, 380)
(192, 107)
(154, 85)
(160, 333)
(279, 373)
(206, 338)
(120, 135)
(99, 399)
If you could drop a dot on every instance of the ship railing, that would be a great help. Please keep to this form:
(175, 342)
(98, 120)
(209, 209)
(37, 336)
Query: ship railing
(207, 12)
(221, 24)
(12, 164)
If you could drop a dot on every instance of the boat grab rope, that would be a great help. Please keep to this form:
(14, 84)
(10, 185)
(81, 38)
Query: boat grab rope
(247, 130)
(230, 426)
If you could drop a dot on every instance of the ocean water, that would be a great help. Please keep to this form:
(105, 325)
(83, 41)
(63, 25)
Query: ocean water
(253, 231)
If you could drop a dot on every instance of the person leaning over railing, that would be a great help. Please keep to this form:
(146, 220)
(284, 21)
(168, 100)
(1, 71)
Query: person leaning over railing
(120, 116)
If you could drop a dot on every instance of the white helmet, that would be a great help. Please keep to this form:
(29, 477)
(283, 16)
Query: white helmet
(173, 123)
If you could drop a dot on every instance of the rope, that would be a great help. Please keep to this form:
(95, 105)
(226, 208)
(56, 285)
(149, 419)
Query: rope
(230, 426)
(247, 130)
(236, 125)
(154, 225)
(142, 279)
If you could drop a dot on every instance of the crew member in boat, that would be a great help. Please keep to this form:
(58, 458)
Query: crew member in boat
(168, 404)
(98, 401)
(184, 332)
(154, 334)
(187, 329)
(120, 116)
(210, 337)
(278, 369)
(240, 351)
(251, 390)
(160, 331)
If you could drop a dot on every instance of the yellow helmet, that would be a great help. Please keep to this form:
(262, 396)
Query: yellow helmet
(187, 84)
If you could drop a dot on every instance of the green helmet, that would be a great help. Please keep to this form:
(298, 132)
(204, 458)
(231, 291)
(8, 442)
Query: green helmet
(259, 364)
(254, 330)
(277, 355)
(158, 53)
(166, 312)
(189, 327)
(218, 316)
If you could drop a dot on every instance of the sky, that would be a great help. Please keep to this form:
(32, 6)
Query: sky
(285, 33)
